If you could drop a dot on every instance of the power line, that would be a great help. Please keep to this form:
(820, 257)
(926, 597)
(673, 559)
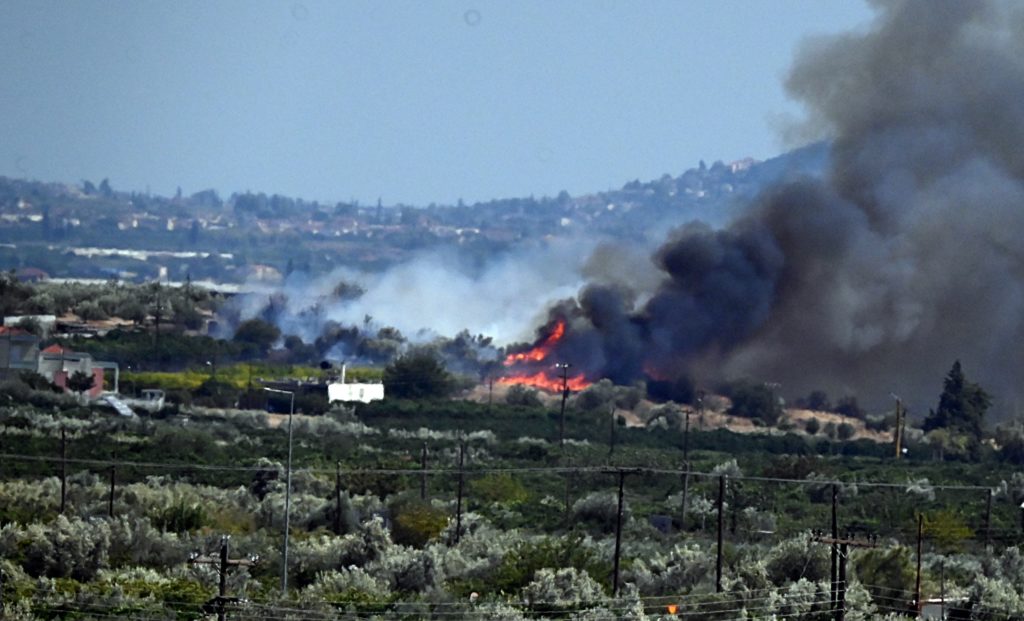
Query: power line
(597, 469)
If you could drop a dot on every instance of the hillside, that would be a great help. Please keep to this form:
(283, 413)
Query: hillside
(95, 230)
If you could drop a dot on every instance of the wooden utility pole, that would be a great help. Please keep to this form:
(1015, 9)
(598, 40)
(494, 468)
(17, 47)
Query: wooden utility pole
(917, 581)
(219, 603)
(490, 391)
(988, 519)
(718, 557)
(337, 499)
(157, 315)
(844, 544)
(897, 438)
(833, 593)
(611, 434)
(63, 470)
(841, 593)
(942, 589)
(423, 472)
(618, 536)
(564, 366)
(568, 493)
(462, 480)
(113, 479)
(686, 459)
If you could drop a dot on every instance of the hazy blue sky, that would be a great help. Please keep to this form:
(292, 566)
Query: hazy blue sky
(415, 102)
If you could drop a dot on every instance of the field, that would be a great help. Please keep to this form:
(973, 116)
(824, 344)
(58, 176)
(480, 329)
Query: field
(385, 524)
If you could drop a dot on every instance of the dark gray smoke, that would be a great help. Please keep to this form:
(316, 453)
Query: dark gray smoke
(906, 256)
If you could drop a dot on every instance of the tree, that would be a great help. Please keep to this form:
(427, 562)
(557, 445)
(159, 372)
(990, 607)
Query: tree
(817, 401)
(755, 401)
(523, 395)
(962, 405)
(849, 407)
(888, 575)
(416, 375)
(80, 382)
(258, 334)
(813, 425)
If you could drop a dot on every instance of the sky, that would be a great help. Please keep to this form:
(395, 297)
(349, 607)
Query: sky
(410, 102)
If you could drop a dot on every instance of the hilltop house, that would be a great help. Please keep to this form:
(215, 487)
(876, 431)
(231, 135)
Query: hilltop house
(57, 364)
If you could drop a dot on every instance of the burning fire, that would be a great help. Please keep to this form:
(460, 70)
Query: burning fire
(546, 381)
(543, 379)
(541, 350)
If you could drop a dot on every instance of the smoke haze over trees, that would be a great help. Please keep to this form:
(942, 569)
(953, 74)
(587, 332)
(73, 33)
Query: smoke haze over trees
(872, 279)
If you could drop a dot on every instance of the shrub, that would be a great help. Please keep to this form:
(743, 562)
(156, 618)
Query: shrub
(680, 570)
(414, 523)
(848, 407)
(797, 558)
(755, 401)
(524, 559)
(557, 590)
(519, 394)
(812, 426)
(500, 488)
(416, 375)
(599, 509)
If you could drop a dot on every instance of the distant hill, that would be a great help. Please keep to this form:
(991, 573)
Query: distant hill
(57, 227)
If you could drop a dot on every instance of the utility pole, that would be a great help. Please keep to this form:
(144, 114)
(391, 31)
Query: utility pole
(942, 589)
(462, 481)
(287, 491)
(113, 479)
(897, 438)
(917, 581)
(686, 458)
(564, 366)
(611, 434)
(157, 315)
(63, 470)
(988, 519)
(618, 536)
(1022, 517)
(423, 472)
(834, 595)
(718, 557)
(568, 494)
(337, 499)
(844, 544)
(219, 603)
(841, 593)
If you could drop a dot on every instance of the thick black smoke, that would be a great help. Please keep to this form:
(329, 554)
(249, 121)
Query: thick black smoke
(907, 255)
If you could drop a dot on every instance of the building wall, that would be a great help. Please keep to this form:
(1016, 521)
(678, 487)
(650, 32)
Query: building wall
(364, 393)
(18, 352)
(58, 368)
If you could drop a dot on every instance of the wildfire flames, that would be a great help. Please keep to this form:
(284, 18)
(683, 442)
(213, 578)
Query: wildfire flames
(545, 379)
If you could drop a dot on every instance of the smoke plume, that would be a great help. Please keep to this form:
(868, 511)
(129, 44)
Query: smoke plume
(872, 280)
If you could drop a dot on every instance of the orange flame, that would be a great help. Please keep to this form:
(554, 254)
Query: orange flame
(541, 350)
(538, 353)
(546, 382)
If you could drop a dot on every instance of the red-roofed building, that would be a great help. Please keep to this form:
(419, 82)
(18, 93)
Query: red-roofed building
(57, 364)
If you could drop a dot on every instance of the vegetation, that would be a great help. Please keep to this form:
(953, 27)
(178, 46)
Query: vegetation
(526, 525)
(416, 375)
(378, 548)
(962, 407)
